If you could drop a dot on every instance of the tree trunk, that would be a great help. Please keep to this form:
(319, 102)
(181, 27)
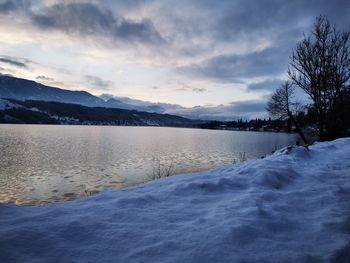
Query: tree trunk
(321, 133)
(299, 130)
(289, 124)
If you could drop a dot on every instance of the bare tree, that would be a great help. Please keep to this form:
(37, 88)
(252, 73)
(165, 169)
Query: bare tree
(321, 67)
(282, 104)
(281, 101)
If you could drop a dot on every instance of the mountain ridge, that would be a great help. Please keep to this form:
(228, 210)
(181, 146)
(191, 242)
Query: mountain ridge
(24, 89)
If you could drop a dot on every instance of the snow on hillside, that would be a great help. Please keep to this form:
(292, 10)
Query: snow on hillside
(5, 104)
(292, 206)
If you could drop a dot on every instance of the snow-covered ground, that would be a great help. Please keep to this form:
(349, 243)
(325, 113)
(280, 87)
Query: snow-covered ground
(293, 206)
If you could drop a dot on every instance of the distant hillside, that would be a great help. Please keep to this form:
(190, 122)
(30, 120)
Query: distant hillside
(141, 104)
(42, 112)
(23, 89)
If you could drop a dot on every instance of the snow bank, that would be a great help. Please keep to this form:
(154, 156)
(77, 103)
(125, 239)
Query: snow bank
(292, 206)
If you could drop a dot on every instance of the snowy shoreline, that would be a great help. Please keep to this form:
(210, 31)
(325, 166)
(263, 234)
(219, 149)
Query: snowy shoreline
(292, 206)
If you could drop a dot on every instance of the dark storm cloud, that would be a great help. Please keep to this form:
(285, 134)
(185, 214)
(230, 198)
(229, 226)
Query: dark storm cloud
(98, 82)
(13, 61)
(232, 68)
(90, 20)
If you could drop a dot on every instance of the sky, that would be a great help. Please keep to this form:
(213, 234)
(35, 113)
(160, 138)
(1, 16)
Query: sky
(225, 56)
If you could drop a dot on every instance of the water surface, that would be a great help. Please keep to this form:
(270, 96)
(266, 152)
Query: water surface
(43, 163)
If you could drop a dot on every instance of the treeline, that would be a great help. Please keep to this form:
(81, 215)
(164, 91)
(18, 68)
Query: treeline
(42, 112)
(25, 116)
(252, 125)
(306, 119)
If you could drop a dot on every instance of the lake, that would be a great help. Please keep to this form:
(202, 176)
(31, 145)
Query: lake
(43, 163)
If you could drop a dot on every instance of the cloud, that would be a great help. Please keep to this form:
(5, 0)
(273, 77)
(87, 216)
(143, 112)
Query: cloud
(13, 61)
(266, 85)
(6, 71)
(234, 68)
(242, 109)
(41, 77)
(90, 20)
(7, 7)
(10, 6)
(199, 90)
(250, 106)
(253, 18)
(170, 42)
(244, 18)
(233, 29)
(98, 82)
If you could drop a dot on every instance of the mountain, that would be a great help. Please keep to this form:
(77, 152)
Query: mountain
(23, 89)
(44, 112)
(144, 105)
(117, 103)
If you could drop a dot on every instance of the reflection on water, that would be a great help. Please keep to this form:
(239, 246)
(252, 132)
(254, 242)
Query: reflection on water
(53, 163)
